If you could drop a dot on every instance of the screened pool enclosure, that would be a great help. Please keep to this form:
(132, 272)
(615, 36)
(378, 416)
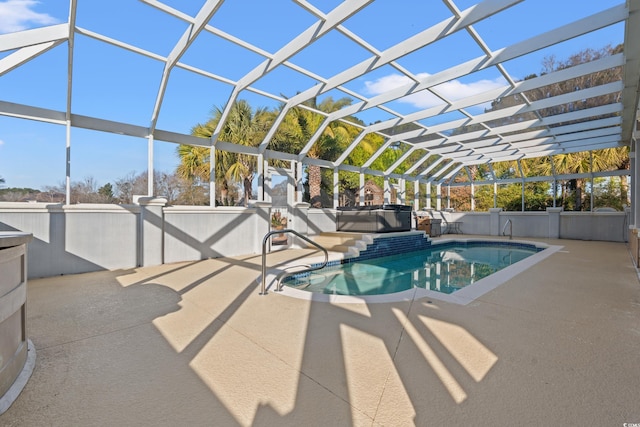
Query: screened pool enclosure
(388, 103)
(442, 105)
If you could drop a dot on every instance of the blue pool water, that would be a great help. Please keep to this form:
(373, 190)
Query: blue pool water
(442, 268)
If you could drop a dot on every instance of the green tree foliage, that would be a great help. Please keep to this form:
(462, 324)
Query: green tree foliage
(14, 194)
(334, 139)
(106, 191)
(573, 191)
(249, 127)
(607, 193)
(300, 125)
(484, 197)
(243, 126)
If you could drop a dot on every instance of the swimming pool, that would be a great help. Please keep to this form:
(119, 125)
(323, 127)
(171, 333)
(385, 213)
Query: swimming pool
(457, 271)
(442, 268)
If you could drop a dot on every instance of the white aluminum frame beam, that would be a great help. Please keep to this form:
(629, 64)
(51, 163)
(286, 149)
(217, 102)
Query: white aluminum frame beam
(530, 138)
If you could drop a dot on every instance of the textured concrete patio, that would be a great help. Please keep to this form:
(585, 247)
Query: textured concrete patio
(195, 344)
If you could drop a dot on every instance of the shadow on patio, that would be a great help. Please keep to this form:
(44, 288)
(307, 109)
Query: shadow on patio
(194, 344)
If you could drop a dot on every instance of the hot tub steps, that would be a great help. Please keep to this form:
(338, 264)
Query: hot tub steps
(349, 244)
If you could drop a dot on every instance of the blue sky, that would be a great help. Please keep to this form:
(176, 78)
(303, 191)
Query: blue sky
(118, 85)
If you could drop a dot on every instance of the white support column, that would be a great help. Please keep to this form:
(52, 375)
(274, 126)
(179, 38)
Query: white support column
(267, 183)
(439, 197)
(495, 186)
(291, 186)
(68, 172)
(299, 183)
(336, 188)
(555, 181)
(260, 177)
(416, 195)
(634, 239)
(402, 189)
(428, 205)
(634, 181)
(212, 177)
(448, 197)
(636, 189)
(387, 190)
(522, 178)
(591, 173)
(473, 197)
(150, 166)
(632, 228)
(361, 189)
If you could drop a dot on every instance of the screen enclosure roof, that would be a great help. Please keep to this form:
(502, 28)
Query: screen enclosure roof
(450, 83)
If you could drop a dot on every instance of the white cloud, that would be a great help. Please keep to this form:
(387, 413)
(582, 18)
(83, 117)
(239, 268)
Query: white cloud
(451, 90)
(17, 15)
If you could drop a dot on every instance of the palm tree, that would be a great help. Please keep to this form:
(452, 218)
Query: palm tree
(194, 163)
(334, 139)
(614, 159)
(194, 171)
(244, 127)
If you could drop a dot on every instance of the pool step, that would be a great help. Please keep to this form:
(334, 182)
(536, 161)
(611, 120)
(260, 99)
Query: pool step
(349, 244)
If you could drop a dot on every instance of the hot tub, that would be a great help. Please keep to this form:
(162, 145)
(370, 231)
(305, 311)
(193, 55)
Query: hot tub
(374, 219)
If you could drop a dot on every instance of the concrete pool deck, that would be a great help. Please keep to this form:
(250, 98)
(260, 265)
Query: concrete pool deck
(194, 344)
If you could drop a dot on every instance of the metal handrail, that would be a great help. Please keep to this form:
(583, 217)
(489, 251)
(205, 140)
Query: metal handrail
(510, 224)
(263, 287)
